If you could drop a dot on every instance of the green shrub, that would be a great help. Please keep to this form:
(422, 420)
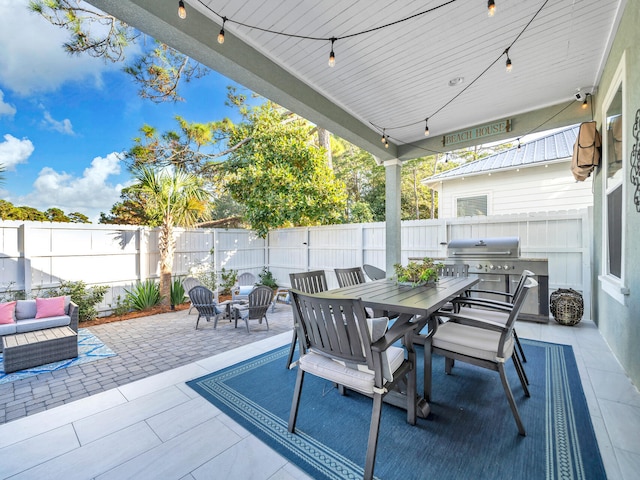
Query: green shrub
(229, 279)
(177, 292)
(267, 278)
(85, 298)
(121, 306)
(144, 295)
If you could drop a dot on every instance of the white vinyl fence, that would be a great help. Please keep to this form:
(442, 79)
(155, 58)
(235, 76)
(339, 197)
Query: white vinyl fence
(35, 255)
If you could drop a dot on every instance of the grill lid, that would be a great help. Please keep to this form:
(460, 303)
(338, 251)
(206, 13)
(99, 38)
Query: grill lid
(501, 247)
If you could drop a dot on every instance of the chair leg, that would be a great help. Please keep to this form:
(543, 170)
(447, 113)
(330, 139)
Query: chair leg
(427, 370)
(246, 323)
(292, 348)
(520, 367)
(293, 415)
(198, 320)
(448, 365)
(515, 336)
(267, 322)
(372, 444)
(512, 402)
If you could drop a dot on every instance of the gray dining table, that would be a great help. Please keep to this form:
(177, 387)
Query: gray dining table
(412, 304)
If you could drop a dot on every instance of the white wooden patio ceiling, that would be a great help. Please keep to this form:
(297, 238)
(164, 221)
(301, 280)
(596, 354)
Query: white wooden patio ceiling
(398, 75)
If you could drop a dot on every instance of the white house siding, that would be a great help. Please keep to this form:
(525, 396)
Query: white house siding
(540, 188)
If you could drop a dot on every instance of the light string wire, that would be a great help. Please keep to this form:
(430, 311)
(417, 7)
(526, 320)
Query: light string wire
(471, 83)
(535, 129)
(325, 39)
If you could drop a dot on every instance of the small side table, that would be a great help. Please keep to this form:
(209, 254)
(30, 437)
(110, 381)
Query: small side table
(30, 349)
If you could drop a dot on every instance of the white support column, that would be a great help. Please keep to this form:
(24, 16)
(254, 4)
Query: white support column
(393, 214)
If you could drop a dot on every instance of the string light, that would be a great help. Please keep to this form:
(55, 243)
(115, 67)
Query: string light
(332, 56)
(426, 127)
(492, 8)
(182, 12)
(384, 136)
(585, 103)
(386, 142)
(508, 63)
(221, 34)
(519, 143)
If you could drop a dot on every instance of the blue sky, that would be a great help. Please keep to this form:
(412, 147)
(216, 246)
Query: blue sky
(64, 120)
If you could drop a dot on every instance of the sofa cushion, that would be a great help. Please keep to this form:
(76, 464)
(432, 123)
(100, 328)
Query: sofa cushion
(25, 309)
(32, 324)
(49, 307)
(7, 329)
(7, 313)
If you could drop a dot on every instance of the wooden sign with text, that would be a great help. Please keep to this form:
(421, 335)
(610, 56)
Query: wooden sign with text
(476, 133)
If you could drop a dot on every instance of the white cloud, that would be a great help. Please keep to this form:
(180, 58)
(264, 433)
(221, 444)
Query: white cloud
(63, 126)
(5, 108)
(14, 151)
(33, 60)
(89, 194)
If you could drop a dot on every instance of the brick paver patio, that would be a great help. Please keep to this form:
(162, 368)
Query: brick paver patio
(144, 346)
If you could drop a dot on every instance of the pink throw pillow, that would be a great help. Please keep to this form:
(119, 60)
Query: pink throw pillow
(49, 307)
(7, 313)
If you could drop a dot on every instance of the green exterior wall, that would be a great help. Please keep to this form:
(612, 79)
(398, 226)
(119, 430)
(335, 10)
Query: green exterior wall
(620, 324)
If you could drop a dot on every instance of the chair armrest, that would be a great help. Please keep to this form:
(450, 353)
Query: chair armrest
(482, 302)
(395, 333)
(492, 292)
(73, 313)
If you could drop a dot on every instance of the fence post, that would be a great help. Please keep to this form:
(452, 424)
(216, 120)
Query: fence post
(25, 253)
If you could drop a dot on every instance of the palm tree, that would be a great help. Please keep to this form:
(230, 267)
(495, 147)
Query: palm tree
(177, 199)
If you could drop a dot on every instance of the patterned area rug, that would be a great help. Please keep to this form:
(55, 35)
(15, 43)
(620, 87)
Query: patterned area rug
(470, 432)
(90, 348)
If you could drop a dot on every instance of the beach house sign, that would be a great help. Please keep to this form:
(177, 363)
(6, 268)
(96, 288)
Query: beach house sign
(476, 133)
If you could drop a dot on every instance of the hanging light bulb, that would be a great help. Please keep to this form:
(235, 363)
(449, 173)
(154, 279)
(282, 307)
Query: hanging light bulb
(221, 34)
(508, 64)
(332, 56)
(182, 12)
(426, 127)
(519, 144)
(386, 143)
(492, 8)
(384, 137)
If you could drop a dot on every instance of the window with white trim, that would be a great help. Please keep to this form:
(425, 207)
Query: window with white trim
(613, 173)
(470, 206)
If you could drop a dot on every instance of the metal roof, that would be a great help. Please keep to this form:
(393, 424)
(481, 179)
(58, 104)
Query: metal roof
(554, 147)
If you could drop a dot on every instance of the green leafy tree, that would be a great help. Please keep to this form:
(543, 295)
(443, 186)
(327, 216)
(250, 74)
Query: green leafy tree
(77, 217)
(56, 215)
(158, 71)
(178, 199)
(277, 173)
(129, 211)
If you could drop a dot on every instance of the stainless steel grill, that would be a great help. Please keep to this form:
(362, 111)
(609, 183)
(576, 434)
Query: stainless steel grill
(497, 262)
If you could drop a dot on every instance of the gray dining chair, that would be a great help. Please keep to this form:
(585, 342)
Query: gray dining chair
(349, 276)
(471, 338)
(374, 273)
(339, 344)
(307, 282)
(471, 300)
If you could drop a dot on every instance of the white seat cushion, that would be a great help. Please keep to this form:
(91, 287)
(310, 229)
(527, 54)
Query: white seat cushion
(471, 341)
(360, 378)
(480, 313)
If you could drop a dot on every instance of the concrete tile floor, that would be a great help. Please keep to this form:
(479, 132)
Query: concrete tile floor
(150, 425)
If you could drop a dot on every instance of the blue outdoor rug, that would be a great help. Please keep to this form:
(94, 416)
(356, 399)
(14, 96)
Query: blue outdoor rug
(470, 432)
(90, 348)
